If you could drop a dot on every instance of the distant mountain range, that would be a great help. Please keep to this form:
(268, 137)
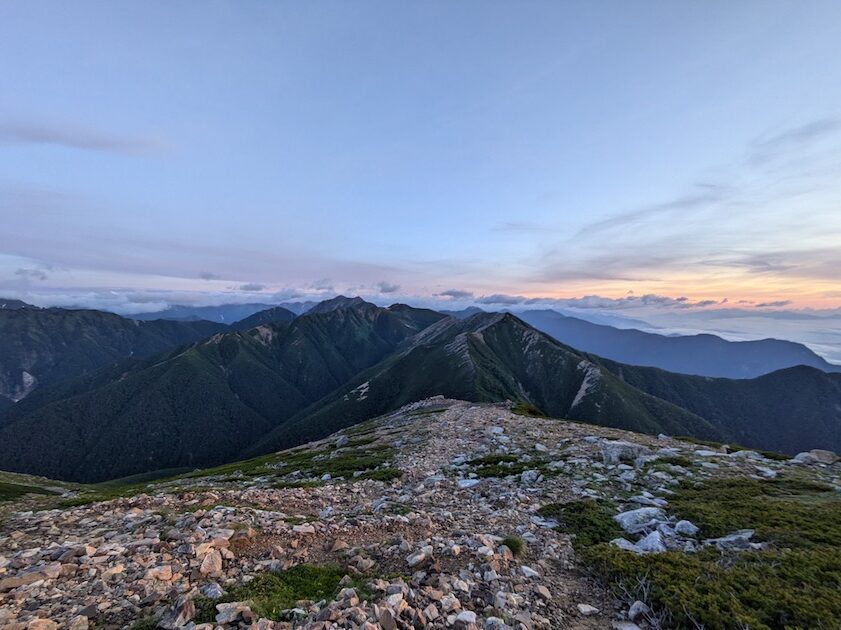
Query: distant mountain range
(704, 355)
(222, 314)
(40, 347)
(287, 380)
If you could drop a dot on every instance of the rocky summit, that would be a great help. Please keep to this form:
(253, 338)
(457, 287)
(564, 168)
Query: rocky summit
(443, 514)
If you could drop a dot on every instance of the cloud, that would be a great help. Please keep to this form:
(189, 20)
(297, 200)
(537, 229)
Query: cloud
(628, 302)
(287, 294)
(777, 304)
(207, 275)
(500, 298)
(31, 274)
(36, 133)
(387, 287)
(252, 286)
(769, 147)
(322, 284)
(703, 196)
(456, 294)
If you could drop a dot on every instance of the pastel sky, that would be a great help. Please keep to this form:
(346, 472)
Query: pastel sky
(451, 151)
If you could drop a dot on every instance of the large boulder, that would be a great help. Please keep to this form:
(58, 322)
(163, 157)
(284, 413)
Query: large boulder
(635, 521)
(618, 451)
(816, 456)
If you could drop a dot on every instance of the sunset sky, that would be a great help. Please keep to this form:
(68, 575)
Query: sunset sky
(445, 152)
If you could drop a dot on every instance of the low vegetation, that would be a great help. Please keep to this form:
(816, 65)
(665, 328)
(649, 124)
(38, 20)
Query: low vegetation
(9, 491)
(589, 521)
(732, 448)
(514, 543)
(527, 409)
(272, 593)
(794, 583)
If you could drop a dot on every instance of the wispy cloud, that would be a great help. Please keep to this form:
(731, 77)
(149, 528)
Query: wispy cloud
(501, 299)
(252, 287)
(387, 287)
(775, 304)
(72, 137)
(774, 145)
(32, 274)
(703, 196)
(209, 275)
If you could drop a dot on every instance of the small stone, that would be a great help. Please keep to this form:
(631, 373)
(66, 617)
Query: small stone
(585, 610)
(544, 593)
(212, 564)
(450, 603)
(431, 612)
(179, 615)
(163, 573)
(211, 590)
(416, 558)
(466, 617)
(79, 622)
(386, 619)
(638, 610)
(529, 572)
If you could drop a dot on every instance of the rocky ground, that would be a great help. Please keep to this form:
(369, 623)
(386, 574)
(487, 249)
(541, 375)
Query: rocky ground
(430, 515)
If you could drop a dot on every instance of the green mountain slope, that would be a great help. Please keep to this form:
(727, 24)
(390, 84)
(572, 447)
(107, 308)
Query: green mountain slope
(790, 410)
(490, 357)
(284, 383)
(39, 347)
(200, 405)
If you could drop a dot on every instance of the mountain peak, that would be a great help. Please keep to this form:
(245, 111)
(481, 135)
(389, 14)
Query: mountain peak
(338, 302)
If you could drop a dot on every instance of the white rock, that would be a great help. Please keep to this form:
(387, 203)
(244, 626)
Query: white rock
(686, 528)
(653, 543)
(466, 616)
(585, 610)
(634, 521)
(529, 572)
(638, 610)
(614, 452)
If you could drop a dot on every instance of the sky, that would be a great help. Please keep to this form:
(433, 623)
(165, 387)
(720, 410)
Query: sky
(664, 159)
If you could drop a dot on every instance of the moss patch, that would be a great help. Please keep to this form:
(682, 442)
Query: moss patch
(591, 522)
(794, 584)
(527, 409)
(272, 593)
(9, 491)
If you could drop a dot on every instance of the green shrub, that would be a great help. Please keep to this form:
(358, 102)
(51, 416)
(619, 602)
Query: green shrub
(514, 543)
